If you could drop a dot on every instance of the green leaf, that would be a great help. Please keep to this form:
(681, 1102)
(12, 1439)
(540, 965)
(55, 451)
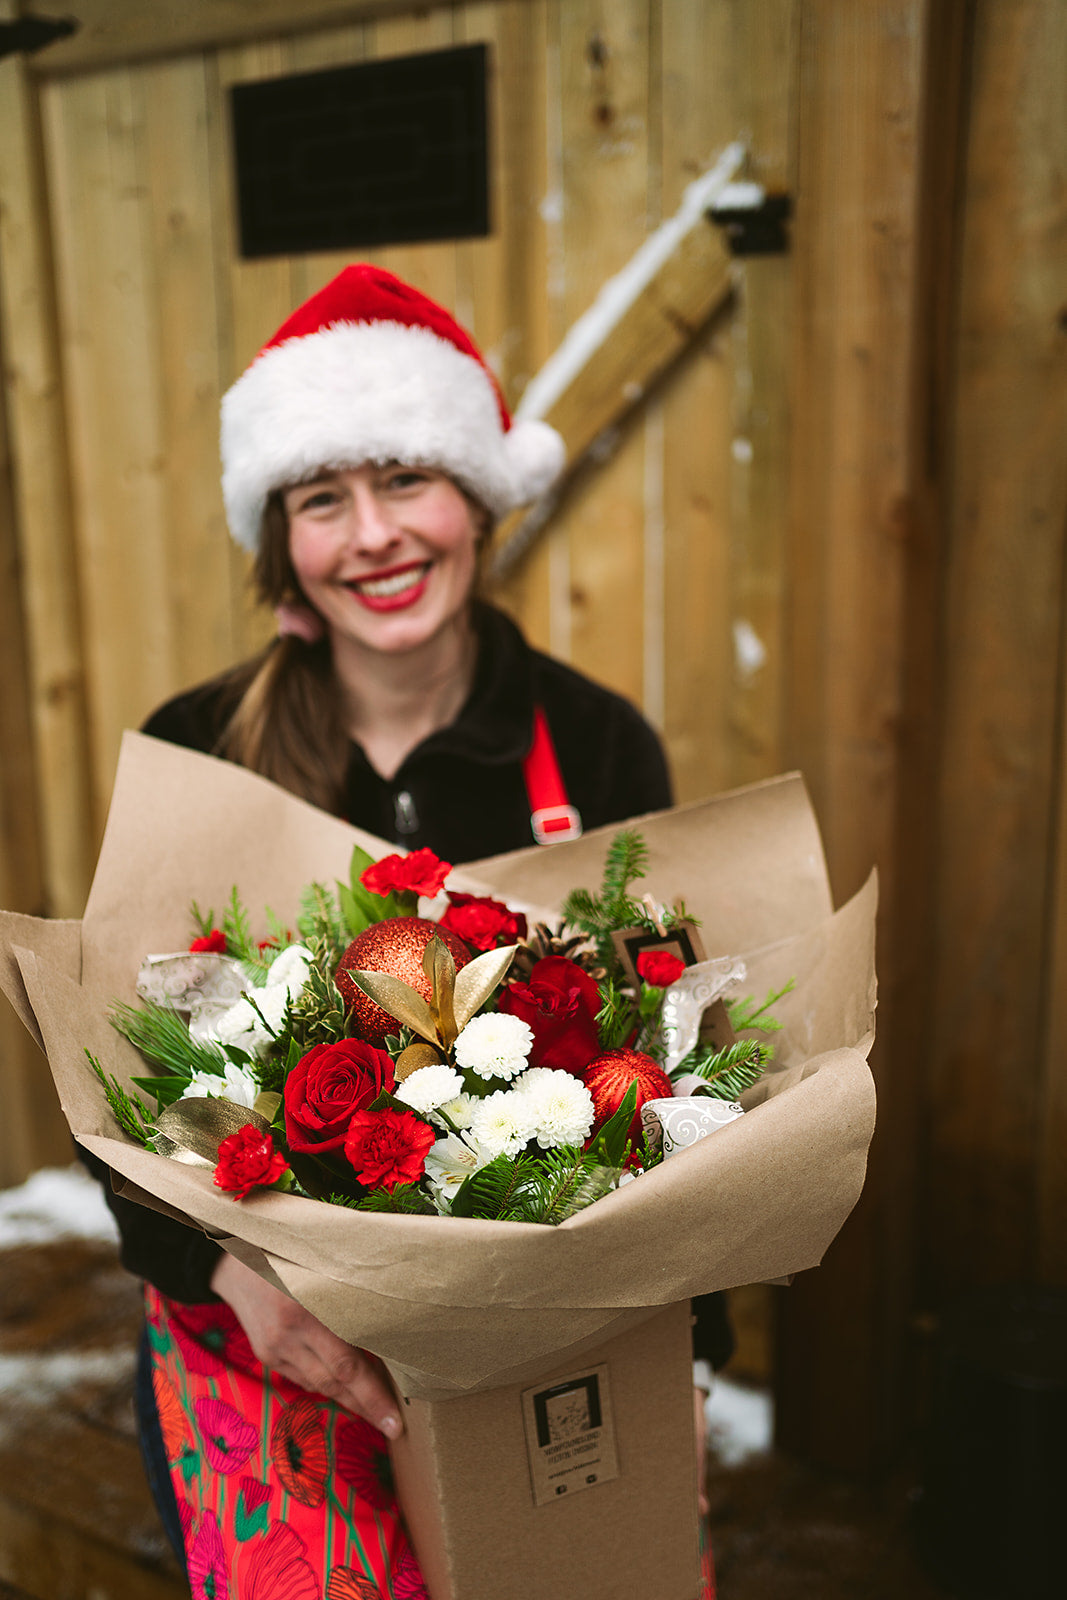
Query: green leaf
(165, 1090)
(611, 1142)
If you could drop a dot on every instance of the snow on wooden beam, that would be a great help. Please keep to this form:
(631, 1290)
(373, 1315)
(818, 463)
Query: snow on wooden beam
(640, 322)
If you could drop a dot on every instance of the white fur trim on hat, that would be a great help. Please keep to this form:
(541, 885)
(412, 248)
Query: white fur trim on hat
(373, 391)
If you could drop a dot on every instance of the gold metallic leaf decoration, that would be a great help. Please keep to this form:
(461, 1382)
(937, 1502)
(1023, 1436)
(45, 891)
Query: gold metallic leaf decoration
(415, 1056)
(476, 982)
(400, 1000)
(197, 1127)
(439, 967)
(267, 1103)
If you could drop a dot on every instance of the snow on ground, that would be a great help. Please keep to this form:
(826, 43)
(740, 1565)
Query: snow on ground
(55, 1203)
(740, 1422)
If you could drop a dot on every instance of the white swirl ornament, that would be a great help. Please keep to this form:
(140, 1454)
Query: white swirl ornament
(682, 1120)
(686, 1001)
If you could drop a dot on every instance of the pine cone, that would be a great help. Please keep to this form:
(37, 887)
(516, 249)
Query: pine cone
(543, 941)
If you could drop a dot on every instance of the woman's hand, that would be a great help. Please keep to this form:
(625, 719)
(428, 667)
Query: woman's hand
(289, 1340)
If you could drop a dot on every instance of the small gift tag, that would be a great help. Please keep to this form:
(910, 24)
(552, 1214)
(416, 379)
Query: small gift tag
(570, 1435)
(681, 939)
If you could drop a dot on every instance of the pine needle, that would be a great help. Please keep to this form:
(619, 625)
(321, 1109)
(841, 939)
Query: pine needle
(163, 1038)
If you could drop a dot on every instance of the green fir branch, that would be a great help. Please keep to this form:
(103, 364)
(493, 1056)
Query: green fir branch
(239, 940)
(407, 1199)
(130, 1112)
(730, 1071)
(564, 1181)
(321, 921)
(163, 1038)
(746, 1013)
(489, 1193)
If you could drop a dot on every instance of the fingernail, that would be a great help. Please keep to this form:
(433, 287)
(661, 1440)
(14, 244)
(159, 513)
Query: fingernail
(391, 1426)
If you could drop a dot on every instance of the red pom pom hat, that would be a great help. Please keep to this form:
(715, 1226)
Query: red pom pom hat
(371, 370)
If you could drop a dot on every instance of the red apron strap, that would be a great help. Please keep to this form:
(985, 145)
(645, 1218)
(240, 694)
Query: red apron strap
(552, 817)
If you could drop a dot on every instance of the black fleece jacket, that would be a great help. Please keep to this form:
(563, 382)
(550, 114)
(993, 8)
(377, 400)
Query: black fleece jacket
(460, 792)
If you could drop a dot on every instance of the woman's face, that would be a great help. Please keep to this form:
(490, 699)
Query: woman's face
(386, 555)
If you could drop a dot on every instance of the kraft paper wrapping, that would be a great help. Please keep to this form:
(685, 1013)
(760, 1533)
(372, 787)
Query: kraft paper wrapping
(452, 1304)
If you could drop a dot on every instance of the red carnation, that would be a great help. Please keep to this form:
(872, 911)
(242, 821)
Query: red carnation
(560, 1003)
(659, 968)
(482, 922)
(419, 873)
(247, 1161)
(215, 941)
(327, 1086)
(388, 1147)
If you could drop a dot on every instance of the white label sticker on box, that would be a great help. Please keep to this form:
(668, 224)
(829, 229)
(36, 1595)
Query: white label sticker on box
(570, 1435)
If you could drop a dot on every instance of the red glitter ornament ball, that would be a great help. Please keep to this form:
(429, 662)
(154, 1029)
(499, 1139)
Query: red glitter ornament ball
(395, 946)
(609, 1076)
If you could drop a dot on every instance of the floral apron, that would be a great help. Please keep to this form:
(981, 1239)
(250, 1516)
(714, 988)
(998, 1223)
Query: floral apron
(282, 1495)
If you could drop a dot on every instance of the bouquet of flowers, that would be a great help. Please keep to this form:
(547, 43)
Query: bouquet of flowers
(457, 1064)
(481, 1299)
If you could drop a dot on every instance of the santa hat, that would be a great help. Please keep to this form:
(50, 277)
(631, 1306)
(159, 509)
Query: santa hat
(369, 369)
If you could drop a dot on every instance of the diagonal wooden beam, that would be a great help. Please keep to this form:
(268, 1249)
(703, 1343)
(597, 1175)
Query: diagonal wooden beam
(641, 321)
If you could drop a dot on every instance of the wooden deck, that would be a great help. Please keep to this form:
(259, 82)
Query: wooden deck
(76, 1520)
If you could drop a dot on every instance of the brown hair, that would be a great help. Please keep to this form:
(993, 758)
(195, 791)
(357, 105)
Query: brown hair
(288, 720)
(287, 723)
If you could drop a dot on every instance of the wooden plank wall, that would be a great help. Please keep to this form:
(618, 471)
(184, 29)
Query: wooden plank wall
(831, 538)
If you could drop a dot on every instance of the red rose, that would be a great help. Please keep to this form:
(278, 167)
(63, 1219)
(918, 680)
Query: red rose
(247, 1161)
(419, 873)
(482, 922)
(215, 941)
(659, 968)
(326, 1086)
(388, 1147)
(560, 1003)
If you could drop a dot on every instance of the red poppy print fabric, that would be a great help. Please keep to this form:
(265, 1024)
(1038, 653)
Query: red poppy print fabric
(283, 1495)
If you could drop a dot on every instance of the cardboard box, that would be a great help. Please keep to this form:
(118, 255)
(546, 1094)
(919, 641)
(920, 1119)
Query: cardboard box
(581, 1483)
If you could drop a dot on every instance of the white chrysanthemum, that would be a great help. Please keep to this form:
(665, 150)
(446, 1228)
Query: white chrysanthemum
(560, 1106)
(494, 1045)
(501, 1123)
(291, 969)
(233, 1083)
(459, 1112)
(429, 1087)
(251, 1024)
(451, 1161)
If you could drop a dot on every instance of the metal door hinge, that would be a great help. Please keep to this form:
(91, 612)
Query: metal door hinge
(752, 220)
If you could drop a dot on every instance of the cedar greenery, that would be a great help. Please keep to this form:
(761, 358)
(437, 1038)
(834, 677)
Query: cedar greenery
(130, 1112)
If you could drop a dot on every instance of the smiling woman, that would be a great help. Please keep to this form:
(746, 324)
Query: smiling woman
(366, 453)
